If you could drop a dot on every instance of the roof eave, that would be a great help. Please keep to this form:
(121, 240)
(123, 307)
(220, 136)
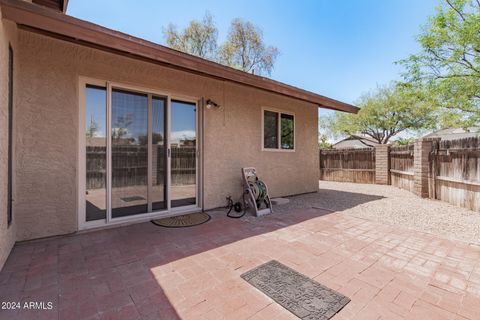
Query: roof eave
(56, 24)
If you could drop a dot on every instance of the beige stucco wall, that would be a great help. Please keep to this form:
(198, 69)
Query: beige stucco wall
(47, 128)
(233, 138)
(7, 233)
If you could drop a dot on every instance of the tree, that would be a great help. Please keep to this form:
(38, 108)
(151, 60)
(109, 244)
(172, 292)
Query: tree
(157, 138)
(386, 112)
(404, 141)
(92, 129)
(449, 64)
(120, 127)
(245, 49)
(323, 142)
(199, 38)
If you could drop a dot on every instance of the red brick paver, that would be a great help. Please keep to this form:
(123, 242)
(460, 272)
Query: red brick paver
(147, 272)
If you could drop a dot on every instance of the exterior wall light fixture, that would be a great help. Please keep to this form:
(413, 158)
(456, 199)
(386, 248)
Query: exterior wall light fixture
(212, 104)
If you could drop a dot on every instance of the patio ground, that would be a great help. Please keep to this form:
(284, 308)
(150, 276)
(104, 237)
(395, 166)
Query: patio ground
(389, 271)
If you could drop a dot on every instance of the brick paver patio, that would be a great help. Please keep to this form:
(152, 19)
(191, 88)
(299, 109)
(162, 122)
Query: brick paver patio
(147, 272)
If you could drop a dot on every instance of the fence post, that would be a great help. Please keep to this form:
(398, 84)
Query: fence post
(382, 164)
(421, 166)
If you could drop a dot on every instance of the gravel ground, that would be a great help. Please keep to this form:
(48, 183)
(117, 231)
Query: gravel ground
(393, 206)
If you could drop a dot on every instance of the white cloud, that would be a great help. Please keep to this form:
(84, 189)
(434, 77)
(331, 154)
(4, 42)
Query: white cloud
(183, 135)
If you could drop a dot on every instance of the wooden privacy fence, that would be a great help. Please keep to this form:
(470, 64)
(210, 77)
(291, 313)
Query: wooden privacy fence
(130, 165)
(183, 164)
(401, 167)
(348, 165)
(447, 170)
(95, 167)
(455, 172)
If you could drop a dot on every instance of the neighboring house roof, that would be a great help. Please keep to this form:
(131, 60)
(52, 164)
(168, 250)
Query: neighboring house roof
(455, 133)
(42, 20)
(356, 142)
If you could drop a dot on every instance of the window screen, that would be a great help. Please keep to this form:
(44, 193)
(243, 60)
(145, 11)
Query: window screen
(287, 129)
(270, 130)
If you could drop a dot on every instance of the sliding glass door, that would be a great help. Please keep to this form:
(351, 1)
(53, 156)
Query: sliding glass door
(129, 136)
(95, 153)
(183, 144)
(133, 167)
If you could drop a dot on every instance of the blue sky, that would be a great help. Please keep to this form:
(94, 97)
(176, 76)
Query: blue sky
(340, 49)
(183, 114)
(336, 48)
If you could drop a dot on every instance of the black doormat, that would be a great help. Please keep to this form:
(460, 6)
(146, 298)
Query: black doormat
(305, 298)
(187, 220)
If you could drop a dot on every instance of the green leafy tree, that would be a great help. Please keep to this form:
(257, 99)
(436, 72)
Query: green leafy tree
(323, 142)
(199, 38)
(448, 65)
(404, 141)
(385, 113)
(245, 49)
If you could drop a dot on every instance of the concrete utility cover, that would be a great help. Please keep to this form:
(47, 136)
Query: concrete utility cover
(305, 298)
(280, 201)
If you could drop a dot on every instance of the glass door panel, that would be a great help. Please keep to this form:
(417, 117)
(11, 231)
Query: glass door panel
(95, 152)
(159, 163)
(129, 153)
(129, 175)
(183, 143)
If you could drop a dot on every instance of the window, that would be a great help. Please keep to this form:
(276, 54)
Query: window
(10, 136)
(270, 129)
(278, 130)
(287, 131)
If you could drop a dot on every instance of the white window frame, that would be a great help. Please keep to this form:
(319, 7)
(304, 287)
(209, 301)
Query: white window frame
(279, 132)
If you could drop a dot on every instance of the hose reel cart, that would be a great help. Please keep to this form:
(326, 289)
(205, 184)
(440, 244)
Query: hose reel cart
(256, 192)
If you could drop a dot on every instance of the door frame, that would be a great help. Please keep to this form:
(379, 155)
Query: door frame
(182, 98)
(81, 162)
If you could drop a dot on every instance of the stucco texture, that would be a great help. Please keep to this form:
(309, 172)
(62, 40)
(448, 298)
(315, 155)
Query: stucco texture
(7, 233)
(47, 126)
